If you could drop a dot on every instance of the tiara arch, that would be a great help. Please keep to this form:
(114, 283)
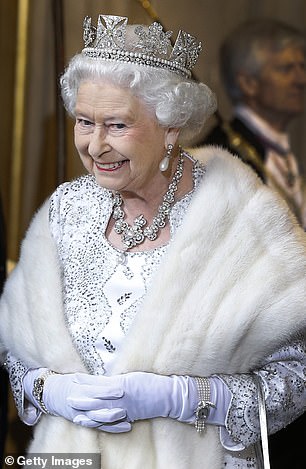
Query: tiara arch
(114, 40)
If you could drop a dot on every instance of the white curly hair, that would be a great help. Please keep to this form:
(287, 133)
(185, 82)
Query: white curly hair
(176, 101)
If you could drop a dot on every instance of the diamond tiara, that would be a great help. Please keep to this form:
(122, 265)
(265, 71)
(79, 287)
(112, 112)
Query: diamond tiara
(114, 40)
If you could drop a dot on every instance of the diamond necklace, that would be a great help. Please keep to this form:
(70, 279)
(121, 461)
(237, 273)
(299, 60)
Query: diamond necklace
(132, 235)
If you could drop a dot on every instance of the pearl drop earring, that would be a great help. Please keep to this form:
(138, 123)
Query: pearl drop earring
(164, 164)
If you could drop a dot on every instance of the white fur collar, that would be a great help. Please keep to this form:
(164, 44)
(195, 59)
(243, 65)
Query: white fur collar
(231, 289)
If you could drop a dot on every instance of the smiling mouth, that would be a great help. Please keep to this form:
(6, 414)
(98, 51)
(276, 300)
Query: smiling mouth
(109, 166)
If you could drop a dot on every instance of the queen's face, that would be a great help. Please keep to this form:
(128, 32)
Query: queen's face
(118, 139)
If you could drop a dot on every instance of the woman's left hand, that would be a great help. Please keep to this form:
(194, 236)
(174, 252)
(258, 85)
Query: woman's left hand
(144, 396)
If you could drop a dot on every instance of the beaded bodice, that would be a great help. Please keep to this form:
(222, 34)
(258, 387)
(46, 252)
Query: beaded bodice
(101, 295)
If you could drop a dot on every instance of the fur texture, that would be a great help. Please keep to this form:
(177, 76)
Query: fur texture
(231, 289)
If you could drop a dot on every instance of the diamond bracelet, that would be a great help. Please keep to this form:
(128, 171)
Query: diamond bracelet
(38, 389)
(204, 405)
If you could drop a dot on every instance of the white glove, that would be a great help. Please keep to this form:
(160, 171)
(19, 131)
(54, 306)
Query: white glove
(69, 396)
(141, 396)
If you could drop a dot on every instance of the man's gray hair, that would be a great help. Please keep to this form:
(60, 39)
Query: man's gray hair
(243, 50)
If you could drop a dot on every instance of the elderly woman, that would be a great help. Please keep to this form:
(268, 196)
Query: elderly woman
(155, 295)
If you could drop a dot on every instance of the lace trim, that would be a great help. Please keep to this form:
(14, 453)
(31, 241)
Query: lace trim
(283, 379)
(16, 371)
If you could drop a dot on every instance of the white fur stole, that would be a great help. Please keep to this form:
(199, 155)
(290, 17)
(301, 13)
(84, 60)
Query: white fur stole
(231, 289)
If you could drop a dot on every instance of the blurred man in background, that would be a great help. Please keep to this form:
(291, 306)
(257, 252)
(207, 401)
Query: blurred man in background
(263, 69)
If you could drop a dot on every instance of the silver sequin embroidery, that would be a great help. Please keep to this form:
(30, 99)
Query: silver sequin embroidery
(79, 214)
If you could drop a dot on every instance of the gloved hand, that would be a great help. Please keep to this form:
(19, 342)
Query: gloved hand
(142, 396)
(69, 396)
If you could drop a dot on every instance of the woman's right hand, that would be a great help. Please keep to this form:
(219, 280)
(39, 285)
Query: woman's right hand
(60, 389)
